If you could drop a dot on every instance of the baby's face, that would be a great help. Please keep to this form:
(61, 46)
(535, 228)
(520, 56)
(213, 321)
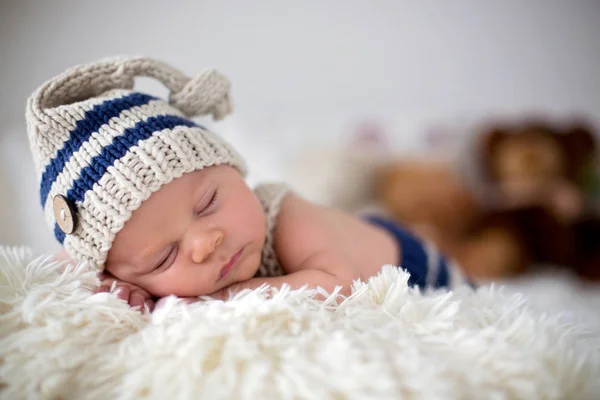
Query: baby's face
(194, 236)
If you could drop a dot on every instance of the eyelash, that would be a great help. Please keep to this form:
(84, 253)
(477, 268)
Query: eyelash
(212, 202)
(164, 261)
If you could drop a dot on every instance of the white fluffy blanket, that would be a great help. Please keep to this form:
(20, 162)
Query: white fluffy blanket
(385, 341)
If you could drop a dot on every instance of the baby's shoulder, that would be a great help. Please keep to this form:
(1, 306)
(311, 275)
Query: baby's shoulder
(301, 230)
(288, 214)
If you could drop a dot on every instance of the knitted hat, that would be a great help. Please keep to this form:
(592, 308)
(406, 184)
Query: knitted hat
(100, 149)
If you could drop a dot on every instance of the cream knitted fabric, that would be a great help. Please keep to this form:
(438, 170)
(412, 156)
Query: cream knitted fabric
(100, 148)
(270, 196)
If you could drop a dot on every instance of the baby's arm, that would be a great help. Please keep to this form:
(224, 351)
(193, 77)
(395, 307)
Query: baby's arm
(308, 249)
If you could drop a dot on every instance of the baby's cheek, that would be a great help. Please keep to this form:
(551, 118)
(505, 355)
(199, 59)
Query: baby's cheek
(184, 281)
(246, 219)
(158, 288)
(167, 283)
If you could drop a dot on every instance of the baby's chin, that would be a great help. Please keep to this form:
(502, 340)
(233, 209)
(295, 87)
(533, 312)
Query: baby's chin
(242, 273)
(248, 269)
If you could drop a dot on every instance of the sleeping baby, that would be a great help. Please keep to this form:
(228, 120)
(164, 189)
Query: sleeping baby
(132, 186)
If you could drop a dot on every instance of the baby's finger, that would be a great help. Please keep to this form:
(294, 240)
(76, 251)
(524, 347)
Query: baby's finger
(123, 293)
(107, 282)
(136, 299)
(150, 305)
(101, 289)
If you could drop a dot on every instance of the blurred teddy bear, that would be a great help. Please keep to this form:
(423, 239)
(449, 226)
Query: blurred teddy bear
(539, 181)
(538, 163)
(543, 177)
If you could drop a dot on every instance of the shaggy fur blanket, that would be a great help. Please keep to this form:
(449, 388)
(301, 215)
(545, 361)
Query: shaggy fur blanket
(58, 341)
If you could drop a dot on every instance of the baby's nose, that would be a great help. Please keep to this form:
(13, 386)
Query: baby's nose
(204, 248)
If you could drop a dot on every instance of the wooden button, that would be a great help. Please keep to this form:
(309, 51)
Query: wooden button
(64, 213)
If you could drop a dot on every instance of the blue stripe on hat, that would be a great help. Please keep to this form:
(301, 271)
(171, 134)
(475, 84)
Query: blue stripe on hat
(120, 145)
(117, 149)
(59, 234)
(93, 119)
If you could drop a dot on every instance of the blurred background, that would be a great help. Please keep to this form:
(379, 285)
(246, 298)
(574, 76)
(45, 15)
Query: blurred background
(325, 91)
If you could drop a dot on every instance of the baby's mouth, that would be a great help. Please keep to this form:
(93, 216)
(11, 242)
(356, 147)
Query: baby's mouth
(228, 266)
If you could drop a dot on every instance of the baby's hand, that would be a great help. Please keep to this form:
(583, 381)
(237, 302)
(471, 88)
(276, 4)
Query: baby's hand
(132, 294)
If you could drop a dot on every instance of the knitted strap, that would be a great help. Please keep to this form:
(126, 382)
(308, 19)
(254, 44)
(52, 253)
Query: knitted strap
(207, 93)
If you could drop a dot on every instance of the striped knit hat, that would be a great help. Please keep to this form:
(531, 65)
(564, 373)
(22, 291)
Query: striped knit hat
(100, 149)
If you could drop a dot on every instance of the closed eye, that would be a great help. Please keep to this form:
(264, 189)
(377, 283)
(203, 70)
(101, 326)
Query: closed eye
(209, 205)
(167, 260)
